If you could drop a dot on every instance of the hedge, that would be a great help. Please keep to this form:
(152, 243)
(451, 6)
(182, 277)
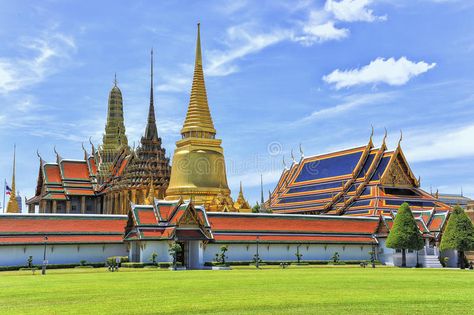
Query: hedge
(133, 265)
(52, 266)
(164, 264)
(293, 262)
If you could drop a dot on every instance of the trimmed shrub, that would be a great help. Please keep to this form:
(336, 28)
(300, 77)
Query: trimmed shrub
(113, 259)
(133, 265)
(165, 264)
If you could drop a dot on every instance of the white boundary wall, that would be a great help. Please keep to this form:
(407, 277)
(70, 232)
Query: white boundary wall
(276, 252)
(17, 255)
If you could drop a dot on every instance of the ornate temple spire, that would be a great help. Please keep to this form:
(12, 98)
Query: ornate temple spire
(198, 122)
(114, 136)
(13, 206)
(262, 201)
(199, 148)
(151, 132)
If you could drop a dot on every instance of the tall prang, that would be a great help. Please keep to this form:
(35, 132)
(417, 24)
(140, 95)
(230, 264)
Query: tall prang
(13, 206)
(114, 138)
(198, 169)
(141, 174)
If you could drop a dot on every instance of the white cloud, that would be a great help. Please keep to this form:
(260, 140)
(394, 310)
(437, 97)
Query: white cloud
(352, 10)
(241, 41)
(380, 70)
(318, 33)
(349, 103)
(428, 145)
(44, 55)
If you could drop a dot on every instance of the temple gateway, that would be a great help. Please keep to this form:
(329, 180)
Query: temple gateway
(123, 201)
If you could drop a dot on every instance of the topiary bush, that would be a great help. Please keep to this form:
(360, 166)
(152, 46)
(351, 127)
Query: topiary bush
(133, 265)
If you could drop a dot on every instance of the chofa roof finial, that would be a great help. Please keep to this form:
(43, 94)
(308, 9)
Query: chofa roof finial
(401, 137)
(372, 133)
(284, 163)
(385, 136)
(301, 151)
(293, 157)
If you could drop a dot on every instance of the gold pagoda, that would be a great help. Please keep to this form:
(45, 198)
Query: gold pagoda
(198, 171)
(13, 206)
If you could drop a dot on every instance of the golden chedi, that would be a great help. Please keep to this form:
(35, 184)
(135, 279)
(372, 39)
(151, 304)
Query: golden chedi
(13, 206)
(198, 170)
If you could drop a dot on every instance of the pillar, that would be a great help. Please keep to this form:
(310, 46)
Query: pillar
(134, 196)
(124, 201)
(104, 204)
(55, 206)
(42, 208)
(68, 206)
(83, 204)
(109, 203)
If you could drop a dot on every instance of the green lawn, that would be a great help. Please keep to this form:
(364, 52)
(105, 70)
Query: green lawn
(296, 290)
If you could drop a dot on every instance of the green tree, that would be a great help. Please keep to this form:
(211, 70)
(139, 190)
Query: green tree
(256, 208)
(153, 258)
(459, 234)
(335, 258)
(29, 261)
(221, 257)
(298, 254)
(174, 249)
(405, 233)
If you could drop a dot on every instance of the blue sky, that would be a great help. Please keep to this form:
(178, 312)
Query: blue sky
(278, 74)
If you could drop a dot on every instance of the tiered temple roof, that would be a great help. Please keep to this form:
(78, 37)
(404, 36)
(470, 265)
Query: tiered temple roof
(65, 178)
(167, 220)
(358, 181)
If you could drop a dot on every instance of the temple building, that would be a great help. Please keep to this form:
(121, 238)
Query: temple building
(358, 181)
(198, 171)
(342, 203)
(455, 200)
(136, 173)
(109, 179)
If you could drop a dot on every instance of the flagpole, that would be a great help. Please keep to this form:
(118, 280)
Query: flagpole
(4, 193)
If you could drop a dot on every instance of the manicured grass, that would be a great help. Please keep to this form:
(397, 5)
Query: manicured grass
(296, 290)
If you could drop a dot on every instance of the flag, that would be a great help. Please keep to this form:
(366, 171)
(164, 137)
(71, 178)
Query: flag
(8, 189)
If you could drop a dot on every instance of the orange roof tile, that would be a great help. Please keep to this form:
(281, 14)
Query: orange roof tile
(298, 223)
(293, 238)
(44, 224)
(75, 169)
(52, 173)
(58, 239)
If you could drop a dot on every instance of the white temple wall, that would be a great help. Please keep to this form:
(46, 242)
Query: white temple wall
(276, 252)
(17, 255)
(453, 257)
(159, 247)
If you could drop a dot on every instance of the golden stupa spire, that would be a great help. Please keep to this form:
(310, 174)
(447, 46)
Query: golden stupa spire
(13, 203)
(150, 200)
(198, 122)
(198, 167)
